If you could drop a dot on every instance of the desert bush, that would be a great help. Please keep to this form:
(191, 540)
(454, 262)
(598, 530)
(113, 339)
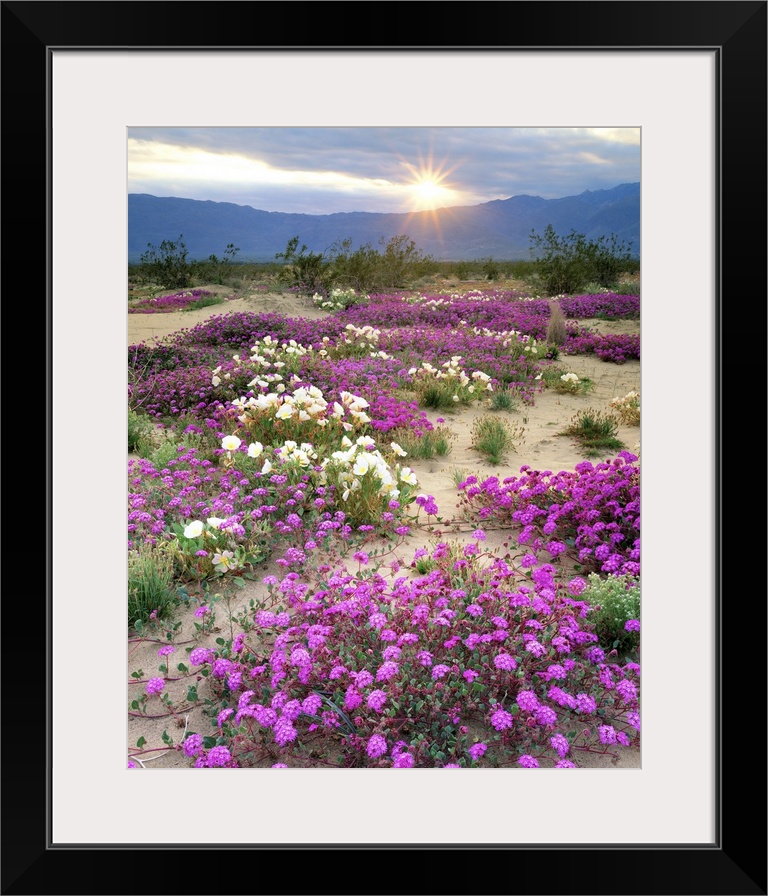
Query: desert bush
(306, 272)
(166, 264)
(565, 263)
(490, 268)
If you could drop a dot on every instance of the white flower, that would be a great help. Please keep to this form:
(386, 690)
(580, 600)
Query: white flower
(569, 378)
(193, 529)
(267, 468)
(362, 465)
(408, 476)
(214, 522)
(230, 443)
(255, 449)
(216, 381)
(397, 449)
(284, 412)
(223, 561)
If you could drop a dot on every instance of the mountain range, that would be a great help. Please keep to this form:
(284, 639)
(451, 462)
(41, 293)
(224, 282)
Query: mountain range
(499, 229)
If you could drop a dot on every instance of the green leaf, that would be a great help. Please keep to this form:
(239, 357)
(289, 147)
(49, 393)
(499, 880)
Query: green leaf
(141, 741)
(240, 582)
(220, 641)
(182, 668)
(135, 704)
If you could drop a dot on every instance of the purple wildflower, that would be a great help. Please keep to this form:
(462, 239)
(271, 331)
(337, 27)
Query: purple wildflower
(154, 686)
(218, 756)
(377, 746)
(476, 751)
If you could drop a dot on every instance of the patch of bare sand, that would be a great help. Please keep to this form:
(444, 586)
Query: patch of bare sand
(153, 327)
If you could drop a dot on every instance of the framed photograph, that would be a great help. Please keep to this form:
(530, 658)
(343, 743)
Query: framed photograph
(692, 77)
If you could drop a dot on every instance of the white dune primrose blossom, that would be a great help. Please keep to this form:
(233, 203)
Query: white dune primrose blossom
(230, 443)
(194, 529)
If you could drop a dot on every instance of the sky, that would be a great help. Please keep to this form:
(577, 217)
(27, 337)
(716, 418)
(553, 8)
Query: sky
(319, 171)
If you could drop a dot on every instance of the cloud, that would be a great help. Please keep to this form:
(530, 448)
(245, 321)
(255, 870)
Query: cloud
(322, 170)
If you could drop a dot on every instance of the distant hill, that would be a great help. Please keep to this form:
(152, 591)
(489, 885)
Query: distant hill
(499, 229)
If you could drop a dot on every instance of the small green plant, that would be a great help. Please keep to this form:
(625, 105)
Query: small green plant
(614, 601)
(595, 431)
(204, 302)
(461, 474)
(504, 399)
(565, 382)
(160, 456)
(448, 387)
(433, 443)
(150, 583)
(494, 437)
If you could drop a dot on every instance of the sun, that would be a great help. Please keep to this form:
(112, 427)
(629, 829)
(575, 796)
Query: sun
(428, 189)
(427, 192)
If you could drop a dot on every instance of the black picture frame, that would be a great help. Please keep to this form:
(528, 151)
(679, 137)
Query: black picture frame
(736, 862)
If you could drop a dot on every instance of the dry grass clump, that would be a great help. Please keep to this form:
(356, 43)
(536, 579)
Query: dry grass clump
(556, 330)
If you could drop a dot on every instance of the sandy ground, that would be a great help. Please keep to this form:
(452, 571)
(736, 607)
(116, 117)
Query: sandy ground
(541, 448)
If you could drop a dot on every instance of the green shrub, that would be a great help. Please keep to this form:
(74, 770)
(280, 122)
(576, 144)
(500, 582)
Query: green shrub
(614, 601)
(564, 264)
(307, 272)
(167, 264)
